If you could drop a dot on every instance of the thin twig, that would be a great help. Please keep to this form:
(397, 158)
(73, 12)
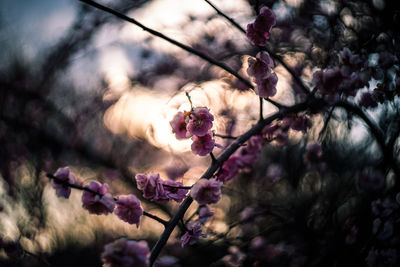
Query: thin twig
(51, 176)
(225, 136)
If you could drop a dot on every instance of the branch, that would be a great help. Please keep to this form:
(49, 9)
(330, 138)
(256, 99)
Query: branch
(218, 162)
(178, 44)
(82, 188)
(278, 58)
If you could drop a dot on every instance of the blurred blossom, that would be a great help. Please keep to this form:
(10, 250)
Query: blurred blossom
(235, 257)
(371, 180)
(313, 153)
(167, 261)
(274, 172)
(204, 213)
(247, 213)
(124, 253)
(65, 175)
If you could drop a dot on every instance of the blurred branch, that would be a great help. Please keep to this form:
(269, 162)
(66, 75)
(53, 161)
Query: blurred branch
(275, 56)
(84, 188)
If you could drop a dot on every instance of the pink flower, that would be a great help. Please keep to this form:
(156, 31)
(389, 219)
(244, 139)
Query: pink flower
(178, 125)
(124, 253)
(298, 122)
(261, 66)
(267, 86)
(258, 32)
(204, 213)
(228, 170)
(63, 174)
(193, 233)
(172, 192)
(203, 145)
(206, 191)
(101, 203)
(200, 121)
(128, 209)
(167, 261)
(151, 186)
(313, 153)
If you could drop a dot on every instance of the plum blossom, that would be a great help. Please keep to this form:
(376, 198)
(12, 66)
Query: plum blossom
(173, 192)
(204, 213)
(228, 170)
(178, 125)
(128, 209)
(200, 121)
(297, 122)
(65, 175)
(261, 66)
(125, 253)
(267, 86)
(313, 153)
(259, 31)
(206, 191)
(203, 145)
(101, 203)
(151, 186)
(192, 235)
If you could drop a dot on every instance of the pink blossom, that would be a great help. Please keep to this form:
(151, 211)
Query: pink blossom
(228, 170)
(258, 32)
(261, 66)
(124, 253)
(172, 192)
(151, 186)
(200, 121)
(313, 153)
(203, 145)
(101, 203)
(65, 175)
(178, 125)
(247, 155)
(128, 209)
(274, 172)
(206, 191)
(192, 235)
(204, 213)
(267, 86)
(298, 122)
(235, 257)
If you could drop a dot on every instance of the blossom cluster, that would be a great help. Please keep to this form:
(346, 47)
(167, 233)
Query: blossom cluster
(156, 189)
(196, 124)
(96, 198)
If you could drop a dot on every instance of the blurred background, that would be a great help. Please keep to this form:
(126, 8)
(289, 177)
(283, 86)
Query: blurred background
(81, 88)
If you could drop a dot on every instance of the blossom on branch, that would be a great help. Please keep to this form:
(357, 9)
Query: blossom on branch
(203, 145)
(65, 175)
(172, 190)
(260, 67)
(151, 186)
(128, 209)
(200, 121)
(266, 87)
(101, 203)
(206, 191)
(192, 235)
(178, 125)
(123, 252)
(258, 32)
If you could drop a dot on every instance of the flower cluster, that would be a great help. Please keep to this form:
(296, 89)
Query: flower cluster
(156, 189)
(97, 200)
(196, 124)
(258, 32)
(192, 234)
(260, 70)
(242, 159)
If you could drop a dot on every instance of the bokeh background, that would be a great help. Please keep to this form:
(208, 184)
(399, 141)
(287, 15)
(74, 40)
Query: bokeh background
(81, 88)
